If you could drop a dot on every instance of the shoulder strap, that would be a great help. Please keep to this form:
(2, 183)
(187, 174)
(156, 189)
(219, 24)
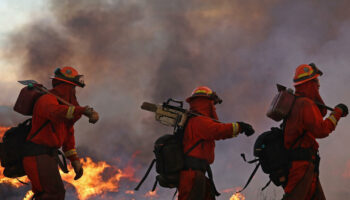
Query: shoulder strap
(298, 138)
(250, 178)
(145, 176)
(198, 142)
(194, 146)
(42, 126)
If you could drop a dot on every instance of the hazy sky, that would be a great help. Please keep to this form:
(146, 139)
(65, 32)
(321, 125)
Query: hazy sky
(15, 13)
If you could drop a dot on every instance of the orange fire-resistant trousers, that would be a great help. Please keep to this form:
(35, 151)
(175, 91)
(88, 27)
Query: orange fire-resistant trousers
(44, 176)
(307, 188)
(194, 186)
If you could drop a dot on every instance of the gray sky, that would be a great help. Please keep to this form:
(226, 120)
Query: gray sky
(14, 14)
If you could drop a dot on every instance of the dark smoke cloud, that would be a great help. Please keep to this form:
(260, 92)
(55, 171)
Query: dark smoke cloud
(133, 51)
(8, 117)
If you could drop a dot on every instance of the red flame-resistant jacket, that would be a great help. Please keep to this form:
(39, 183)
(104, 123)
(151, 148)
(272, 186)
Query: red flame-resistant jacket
(307, 116)
(202, 128)
(59, 132)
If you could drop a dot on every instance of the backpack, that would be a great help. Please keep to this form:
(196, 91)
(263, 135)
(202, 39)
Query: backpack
(273, 156)
(168, 149)
(169, 160)
(14, 139)
(12, 148)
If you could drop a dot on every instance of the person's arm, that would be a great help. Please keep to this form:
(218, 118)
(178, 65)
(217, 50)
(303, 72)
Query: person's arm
(208, 129)
(69, 146)
(314, 122)
(51, 109)
(71, 153)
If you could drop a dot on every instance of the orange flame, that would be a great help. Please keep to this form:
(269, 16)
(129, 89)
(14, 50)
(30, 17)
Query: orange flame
(130, 192)
(237, 196)
(10, 181)
(151, 194)
(2, 131)
(92, 182)
(29, 195)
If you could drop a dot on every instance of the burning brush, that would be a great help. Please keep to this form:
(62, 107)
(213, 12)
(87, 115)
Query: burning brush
(92, 184)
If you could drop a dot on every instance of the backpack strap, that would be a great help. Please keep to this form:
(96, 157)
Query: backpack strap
(145, 176)
(250, 178)
(194, 146)
(211, 179)
(36, 132)
(298, 139)
(267, 185)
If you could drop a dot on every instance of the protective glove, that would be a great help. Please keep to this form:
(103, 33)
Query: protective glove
(91, 114)
(78, 169)
(344, 109)
(247, 129)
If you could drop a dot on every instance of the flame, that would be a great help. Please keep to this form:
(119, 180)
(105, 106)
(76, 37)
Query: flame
(92, 183)
(151, 194)
(2, 131)
(29, 195)
(237, 196)
(130, 192)
(10, 181)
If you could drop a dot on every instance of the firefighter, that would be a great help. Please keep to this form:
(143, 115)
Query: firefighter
(194, 185)
(52, 128)
(304, 125)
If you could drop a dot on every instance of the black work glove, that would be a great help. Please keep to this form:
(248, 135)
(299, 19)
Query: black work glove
(247, 129)
(91, 114)
(78, 169)
(344, 108)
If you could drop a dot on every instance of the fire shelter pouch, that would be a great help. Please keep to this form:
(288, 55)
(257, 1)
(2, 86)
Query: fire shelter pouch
(281, 105)
(26, 100)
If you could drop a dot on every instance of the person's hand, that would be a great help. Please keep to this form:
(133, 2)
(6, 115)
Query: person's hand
(78, 169)
(245, 128)
(344, 109)
(94, 117)
(91, 114)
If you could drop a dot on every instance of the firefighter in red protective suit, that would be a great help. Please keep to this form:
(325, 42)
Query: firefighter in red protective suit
(304, 124)
(52, 128)
(194, 185)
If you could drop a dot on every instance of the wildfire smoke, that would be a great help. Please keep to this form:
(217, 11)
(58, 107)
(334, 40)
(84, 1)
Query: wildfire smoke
(346, 173)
